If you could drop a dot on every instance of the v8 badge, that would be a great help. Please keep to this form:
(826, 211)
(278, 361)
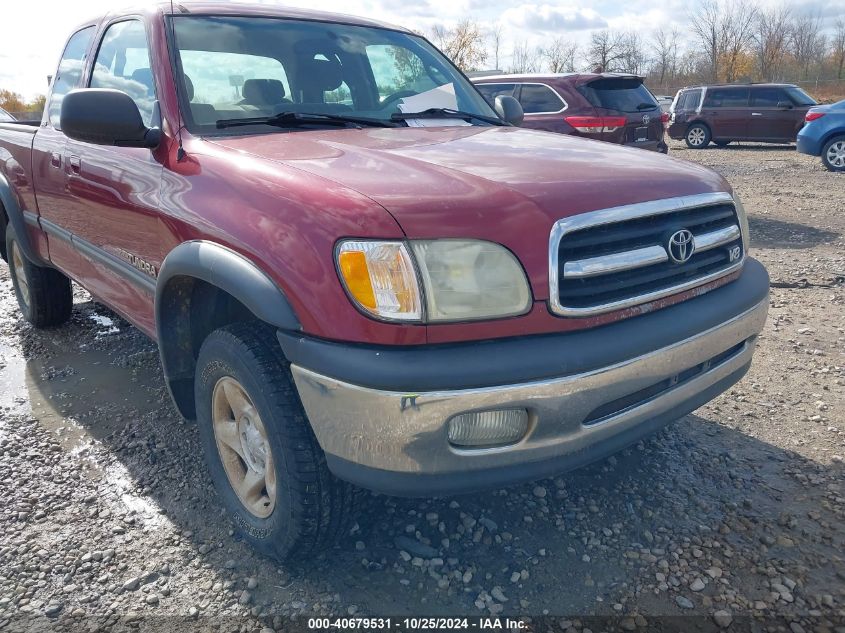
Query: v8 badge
(734, 253)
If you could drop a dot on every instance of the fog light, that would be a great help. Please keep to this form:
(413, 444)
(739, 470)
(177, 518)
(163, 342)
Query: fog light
(488, 428)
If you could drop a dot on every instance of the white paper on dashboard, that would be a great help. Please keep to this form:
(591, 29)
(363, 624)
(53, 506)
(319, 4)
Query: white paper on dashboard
(440, 97)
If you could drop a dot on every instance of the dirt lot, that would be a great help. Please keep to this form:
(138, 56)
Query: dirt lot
(107, 518)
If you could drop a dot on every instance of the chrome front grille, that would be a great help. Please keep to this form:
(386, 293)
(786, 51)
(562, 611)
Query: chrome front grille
(621, 257)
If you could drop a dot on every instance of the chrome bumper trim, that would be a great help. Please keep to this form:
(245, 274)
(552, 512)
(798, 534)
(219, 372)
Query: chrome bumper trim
(406, 432)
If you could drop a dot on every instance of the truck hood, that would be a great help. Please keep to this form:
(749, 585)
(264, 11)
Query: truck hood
(503, 184)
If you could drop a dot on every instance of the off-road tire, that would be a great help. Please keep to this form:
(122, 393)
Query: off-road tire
(697, 136)
(312, 507)
(837, 142)
(44, 295)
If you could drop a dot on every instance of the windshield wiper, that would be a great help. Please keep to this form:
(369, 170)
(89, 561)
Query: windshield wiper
(445, 113)
(294, 119)
(646, 106)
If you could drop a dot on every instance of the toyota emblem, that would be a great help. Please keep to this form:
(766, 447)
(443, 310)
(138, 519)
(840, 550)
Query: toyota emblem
(681, 246)
(646, 119)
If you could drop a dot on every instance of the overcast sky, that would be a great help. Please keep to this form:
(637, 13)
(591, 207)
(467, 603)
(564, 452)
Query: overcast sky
(28, 56)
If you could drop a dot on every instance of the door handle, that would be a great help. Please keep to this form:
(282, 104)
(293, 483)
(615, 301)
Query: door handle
(756, 114)
(75, 163)
(56, 160)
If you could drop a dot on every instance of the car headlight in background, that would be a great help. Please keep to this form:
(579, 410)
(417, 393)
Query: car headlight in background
(461, 280)
(743, 221)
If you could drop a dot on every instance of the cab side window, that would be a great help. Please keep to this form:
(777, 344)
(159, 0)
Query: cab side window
(727, 98)
(491, 91)
(540, 99)
(767, 97)
(123, 63)
(69, 72)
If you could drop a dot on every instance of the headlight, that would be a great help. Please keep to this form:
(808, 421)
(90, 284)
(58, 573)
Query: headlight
(461, 280)
(470, 279)
(380, 279)
(743, 222)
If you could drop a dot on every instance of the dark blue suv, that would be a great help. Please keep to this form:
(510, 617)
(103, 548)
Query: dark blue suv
(823, 135)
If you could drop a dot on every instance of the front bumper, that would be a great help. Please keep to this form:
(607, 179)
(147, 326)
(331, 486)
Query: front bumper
(395, 440)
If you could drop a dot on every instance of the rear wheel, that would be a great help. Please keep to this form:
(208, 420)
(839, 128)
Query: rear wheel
(44, 295)
(698, 136)
(833, 154)
(264, 460)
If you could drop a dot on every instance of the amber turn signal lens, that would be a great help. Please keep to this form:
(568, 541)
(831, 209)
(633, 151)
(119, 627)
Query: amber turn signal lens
(353, 267)
(380, 278)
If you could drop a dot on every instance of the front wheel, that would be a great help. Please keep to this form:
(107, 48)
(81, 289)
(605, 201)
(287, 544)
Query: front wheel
(264, 460)
(698, 136)
(833, 154)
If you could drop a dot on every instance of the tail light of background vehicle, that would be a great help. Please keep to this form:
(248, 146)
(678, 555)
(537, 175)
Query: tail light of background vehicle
(812, 116)
(664, 118)
(596, 124)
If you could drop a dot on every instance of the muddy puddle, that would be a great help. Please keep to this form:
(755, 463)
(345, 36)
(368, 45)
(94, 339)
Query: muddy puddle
(72, 394)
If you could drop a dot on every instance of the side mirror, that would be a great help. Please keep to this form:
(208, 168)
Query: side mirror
(785, 105)
(509, 109)
(105, 117)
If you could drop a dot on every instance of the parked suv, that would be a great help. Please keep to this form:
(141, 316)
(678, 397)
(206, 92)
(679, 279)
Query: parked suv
(768, 113)
(606, 107)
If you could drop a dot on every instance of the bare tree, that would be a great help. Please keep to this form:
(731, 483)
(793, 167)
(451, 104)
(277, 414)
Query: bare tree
(524, 59)
(738, 20)
(464, 44)
(838, 48)
(633, 56)
(607, 49)
(560, 55)
(772, 40)
(807, 43)
(725, 31)
(664, 45)
(496, 38)
(706, 24)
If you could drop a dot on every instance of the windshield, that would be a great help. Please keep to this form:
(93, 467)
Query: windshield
(5, 117)
(799, 97)
(623, 94)
(244, 67)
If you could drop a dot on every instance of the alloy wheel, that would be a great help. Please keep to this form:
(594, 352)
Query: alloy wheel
(20, 273)
(243, 447)
(836, 155)
(696, 136)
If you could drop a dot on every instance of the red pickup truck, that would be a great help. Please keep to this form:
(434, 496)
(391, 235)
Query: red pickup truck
(357, 270)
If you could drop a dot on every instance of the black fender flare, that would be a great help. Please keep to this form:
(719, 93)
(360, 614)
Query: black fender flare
(16, 218)
(226, 270)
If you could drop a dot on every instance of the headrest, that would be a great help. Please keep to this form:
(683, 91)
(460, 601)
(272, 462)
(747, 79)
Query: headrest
(263, 91)
(189, 88)
(320, 74)
(144, 76)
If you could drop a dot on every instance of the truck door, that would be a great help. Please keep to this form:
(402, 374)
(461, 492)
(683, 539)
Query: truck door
(55, 205)
(116, 189)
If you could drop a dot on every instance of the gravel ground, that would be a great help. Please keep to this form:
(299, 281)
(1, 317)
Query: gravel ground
(108, 520)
